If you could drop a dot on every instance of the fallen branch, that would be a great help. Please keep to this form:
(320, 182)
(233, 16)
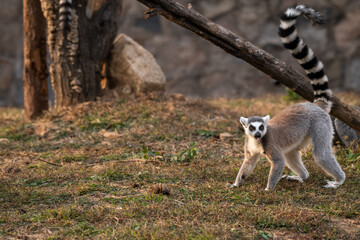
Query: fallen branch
(139, 161)
(241, 48)
(42, 160)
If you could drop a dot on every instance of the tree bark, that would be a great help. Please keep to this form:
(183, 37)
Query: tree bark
(78, 54)
(35, 65)
(241, 48)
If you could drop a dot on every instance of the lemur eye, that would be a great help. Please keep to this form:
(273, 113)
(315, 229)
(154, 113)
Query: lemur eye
(251, 128)
(261, 127)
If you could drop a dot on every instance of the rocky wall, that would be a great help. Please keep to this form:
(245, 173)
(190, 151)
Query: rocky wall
(11, 53)
(197, 68)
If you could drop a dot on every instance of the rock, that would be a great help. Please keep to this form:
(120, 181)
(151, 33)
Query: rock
(178, 97)
(4, 140)
(252, 15)
(10, 12)
(111, 135)
(334, 70)
(347, 33)
(353, 75)
(269, 35)
(318, 5)
(339, 3)
(126, 89)
(130, 64)
(217, 84)
(6, 73)
(182, 58)
(316, 37)
(11, 52)
(11, 39)
(225, 135)
(212, 9)
(42, 129)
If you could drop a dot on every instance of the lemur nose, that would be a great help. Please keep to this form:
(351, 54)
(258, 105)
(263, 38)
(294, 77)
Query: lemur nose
(257, 135)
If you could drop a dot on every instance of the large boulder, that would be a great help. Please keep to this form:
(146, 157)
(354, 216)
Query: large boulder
(133, 66)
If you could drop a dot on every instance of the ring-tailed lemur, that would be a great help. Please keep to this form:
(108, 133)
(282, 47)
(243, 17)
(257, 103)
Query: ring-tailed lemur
(65, 9)
(281, 138)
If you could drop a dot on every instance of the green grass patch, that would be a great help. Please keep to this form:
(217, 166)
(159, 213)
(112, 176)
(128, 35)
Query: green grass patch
(103, 188)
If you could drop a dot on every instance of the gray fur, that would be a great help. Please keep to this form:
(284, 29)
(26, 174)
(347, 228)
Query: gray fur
(256, 119)
(286, 134)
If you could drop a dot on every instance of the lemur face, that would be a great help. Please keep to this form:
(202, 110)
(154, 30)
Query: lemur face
(255, 127)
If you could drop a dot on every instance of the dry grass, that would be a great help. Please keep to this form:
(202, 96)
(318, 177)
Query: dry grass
(95, 170)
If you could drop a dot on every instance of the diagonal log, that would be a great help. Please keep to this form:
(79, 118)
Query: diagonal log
(241, 48)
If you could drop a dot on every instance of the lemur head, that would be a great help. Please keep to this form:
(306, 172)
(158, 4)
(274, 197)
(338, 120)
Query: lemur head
(255, 127)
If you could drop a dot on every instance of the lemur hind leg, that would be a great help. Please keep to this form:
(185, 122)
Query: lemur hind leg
(323, 156)
(294, 162)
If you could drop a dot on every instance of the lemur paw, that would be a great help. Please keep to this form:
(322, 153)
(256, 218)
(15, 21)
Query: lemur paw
(229, 185)
(332, 184)
(293, 178)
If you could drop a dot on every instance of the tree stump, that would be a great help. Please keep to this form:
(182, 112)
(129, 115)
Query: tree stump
(78, 53)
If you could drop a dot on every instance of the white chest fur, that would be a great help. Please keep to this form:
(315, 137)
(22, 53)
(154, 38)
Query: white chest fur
(254, 146)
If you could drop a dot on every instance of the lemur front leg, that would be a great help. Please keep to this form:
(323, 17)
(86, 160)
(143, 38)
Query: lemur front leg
(246, 168)
(277, 161)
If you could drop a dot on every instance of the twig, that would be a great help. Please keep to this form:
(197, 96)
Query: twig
(139, 160)
(152, 12)
(42, 160)
(177, 201)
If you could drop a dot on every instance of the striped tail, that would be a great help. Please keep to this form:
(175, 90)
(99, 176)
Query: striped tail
(312, 66)
(65, 9)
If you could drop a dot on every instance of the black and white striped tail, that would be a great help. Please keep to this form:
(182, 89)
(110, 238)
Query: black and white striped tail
(313, 67)
(65, 9)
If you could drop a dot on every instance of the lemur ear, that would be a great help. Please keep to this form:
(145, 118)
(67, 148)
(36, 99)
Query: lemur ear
(244, 121)
(266, 119)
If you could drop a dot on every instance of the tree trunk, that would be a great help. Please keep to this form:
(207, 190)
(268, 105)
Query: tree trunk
(241, 48)
(35, 65)
(78, 54)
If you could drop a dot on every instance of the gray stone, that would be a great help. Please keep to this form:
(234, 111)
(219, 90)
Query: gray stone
(11, 49)
(251, 16)
(347, 32)
(316, 38)
(225, 136)
(10, 10)
(6, 74)
(212, 9)
(334, 70)
(269, 35)
(340, 3)
(131, 64)
(353, 75)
